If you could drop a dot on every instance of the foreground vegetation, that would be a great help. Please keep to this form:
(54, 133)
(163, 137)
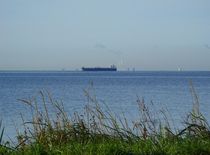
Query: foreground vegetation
(99, 131)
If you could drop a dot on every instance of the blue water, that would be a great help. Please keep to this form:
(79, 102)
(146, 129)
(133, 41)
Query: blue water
(119, 90)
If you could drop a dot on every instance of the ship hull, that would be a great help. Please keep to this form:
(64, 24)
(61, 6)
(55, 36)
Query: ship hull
(98, 69)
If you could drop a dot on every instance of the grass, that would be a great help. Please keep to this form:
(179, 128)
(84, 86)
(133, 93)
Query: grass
(99, 131)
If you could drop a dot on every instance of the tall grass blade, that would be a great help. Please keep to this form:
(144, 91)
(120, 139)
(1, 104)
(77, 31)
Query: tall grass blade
(1, 132)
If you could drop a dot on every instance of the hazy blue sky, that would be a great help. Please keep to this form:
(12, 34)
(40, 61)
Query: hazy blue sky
(145, 34)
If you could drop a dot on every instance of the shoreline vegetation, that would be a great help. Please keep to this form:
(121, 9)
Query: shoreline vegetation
(100, 131)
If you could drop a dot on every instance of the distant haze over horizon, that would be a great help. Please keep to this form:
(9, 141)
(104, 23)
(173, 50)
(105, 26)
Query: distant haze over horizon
(140, 34)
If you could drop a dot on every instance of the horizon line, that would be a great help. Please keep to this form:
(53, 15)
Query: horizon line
(79, 70)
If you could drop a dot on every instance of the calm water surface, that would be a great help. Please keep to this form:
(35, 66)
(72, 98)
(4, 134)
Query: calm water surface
(119, 90)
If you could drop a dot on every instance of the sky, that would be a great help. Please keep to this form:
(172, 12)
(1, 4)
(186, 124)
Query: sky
(69, 34)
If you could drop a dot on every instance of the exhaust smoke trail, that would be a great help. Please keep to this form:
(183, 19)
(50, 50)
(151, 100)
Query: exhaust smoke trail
(117, 53)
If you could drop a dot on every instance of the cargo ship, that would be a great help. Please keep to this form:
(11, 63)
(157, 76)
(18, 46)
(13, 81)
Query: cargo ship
(112, 68)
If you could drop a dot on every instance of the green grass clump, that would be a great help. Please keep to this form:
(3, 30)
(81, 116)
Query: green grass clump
(142, 147)
(99, 131)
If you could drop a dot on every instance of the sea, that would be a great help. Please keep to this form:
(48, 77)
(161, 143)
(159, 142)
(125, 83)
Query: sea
(120, 91)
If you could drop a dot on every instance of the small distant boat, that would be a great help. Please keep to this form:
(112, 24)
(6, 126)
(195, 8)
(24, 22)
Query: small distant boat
(179, 69)
(112, 68)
